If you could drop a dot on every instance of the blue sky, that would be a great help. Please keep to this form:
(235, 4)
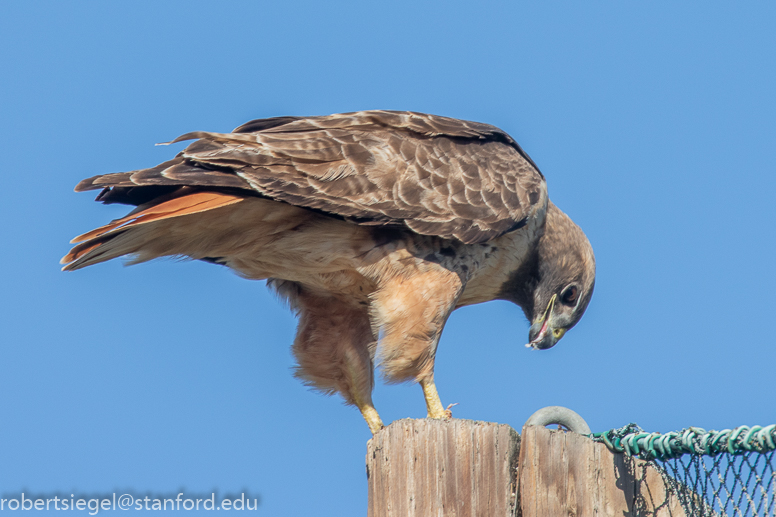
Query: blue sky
(654, 123)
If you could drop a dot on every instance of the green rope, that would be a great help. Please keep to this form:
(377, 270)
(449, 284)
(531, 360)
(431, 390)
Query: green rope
(633, 441)
(712, 473)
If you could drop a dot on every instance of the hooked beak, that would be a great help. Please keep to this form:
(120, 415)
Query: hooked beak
(542, 334)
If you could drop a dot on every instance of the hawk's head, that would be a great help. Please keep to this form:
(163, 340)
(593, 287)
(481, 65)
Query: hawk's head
(555, 285)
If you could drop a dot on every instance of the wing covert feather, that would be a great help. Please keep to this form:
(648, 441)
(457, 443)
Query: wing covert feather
(434, 175)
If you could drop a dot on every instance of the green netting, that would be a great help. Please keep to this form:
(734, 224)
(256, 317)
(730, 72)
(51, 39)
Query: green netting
(712, 473)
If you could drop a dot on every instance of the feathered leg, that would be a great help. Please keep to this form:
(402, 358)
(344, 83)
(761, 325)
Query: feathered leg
(334, 348)
(410, 311)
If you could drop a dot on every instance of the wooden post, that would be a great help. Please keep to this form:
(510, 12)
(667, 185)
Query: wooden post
(568, 474)
(453, 468)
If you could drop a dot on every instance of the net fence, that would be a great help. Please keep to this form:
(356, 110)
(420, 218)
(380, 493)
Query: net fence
(711, 473)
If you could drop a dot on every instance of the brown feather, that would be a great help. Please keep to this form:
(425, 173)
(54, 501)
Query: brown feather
(189, 204)
(86, 252)
(78, 252)
(436, 175)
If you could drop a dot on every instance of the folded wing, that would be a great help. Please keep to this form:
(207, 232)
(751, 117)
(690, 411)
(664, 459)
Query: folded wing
(434, 175)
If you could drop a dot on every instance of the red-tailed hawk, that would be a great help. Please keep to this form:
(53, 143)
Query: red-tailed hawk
(373, 225)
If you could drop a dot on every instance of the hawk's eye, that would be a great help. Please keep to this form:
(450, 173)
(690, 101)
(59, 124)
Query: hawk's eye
(569, 295)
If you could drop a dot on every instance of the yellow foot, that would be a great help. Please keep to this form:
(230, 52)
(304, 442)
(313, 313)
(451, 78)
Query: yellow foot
(449, 410)
(372, 418)
(433, 404)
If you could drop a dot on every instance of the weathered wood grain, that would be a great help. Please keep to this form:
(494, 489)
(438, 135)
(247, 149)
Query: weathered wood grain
(453, 468)
(567, 474)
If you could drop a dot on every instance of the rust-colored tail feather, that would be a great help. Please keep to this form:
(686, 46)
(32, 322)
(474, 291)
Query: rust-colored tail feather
(87, 253)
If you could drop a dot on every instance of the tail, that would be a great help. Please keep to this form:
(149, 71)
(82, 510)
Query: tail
(120, 237)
